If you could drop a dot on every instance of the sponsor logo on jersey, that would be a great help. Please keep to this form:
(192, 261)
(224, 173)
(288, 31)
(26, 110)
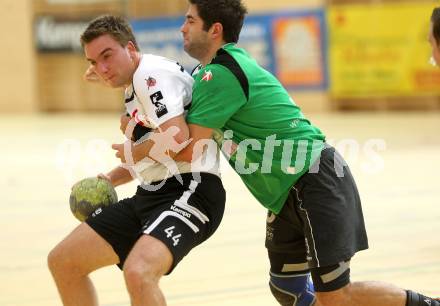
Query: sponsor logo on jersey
(151, 82)
(161, 109)
(181, 211)
(207, 76)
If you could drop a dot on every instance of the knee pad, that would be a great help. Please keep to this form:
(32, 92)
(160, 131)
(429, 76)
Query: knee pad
(331, 278)
(292, 290)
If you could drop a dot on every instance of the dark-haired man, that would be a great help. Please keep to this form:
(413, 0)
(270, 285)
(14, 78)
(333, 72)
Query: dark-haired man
(315, 222)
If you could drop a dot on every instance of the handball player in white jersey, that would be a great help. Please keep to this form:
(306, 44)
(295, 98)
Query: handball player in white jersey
(177, 205)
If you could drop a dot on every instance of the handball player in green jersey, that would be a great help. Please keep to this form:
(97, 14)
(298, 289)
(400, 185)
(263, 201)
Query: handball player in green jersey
(315, 223)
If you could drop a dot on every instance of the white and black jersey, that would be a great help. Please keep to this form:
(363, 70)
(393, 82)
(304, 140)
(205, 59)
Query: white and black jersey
(161, 90)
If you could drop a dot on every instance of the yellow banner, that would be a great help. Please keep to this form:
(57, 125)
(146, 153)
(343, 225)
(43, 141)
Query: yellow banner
(381, 50)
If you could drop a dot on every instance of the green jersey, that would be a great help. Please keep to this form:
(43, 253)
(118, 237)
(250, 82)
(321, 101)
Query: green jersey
(263, 134)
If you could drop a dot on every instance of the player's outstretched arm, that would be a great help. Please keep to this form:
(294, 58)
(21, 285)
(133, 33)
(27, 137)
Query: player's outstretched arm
(118, 176)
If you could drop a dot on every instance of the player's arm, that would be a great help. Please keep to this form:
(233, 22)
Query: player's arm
(160, 145)
(197, 134)
(165, 141)
(118, 176)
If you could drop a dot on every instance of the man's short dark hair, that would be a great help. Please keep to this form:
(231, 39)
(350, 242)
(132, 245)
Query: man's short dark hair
(230, 13)
(115, 26)
(435, 19)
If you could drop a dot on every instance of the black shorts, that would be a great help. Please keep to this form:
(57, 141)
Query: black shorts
(181, 216)
(321, 223)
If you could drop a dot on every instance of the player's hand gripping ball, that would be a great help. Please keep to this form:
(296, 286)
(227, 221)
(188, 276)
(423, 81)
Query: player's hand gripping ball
(89, 194)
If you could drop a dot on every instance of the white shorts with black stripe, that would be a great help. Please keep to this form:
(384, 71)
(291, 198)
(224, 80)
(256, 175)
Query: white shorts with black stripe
(180, 215)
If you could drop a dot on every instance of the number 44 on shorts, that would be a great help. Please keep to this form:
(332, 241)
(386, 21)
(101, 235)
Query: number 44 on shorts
(170, 232)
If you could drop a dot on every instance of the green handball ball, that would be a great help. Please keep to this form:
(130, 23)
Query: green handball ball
(89, 194)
